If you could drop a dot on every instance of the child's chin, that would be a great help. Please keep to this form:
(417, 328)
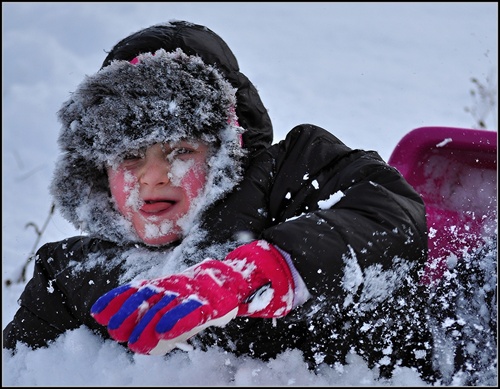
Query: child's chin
(161, 240)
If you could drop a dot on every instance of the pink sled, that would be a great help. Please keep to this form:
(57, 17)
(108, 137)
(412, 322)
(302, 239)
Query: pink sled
(455, 171)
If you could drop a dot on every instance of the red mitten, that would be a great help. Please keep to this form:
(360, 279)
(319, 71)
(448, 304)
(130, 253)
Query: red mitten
(153, 316)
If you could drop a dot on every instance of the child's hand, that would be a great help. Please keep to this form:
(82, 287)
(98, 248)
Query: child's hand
(154, 316)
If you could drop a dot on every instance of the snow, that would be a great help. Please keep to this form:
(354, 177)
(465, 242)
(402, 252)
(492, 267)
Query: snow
(333, 199)
(444, 142)
(369, 73)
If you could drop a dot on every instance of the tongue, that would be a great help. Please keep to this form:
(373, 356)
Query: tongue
(156, 207)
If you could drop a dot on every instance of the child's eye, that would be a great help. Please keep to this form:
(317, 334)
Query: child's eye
(180, 152)
(183, 150)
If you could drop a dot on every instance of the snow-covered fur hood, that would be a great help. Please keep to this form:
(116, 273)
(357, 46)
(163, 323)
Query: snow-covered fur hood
(125, 106)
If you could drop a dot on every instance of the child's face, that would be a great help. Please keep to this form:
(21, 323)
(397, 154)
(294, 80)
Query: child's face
(155, 188)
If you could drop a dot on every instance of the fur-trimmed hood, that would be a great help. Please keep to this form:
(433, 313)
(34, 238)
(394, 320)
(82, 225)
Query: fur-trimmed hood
(195, 39)
(163, 97)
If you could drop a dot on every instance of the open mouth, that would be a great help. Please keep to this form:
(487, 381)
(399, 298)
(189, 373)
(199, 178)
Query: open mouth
(157, 206)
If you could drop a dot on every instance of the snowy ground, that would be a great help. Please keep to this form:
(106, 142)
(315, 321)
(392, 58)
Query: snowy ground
(369, 73)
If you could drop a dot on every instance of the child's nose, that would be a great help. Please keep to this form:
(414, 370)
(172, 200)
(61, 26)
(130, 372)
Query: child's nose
(154, 171)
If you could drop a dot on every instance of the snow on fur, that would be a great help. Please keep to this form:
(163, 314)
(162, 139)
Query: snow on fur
(125, 107)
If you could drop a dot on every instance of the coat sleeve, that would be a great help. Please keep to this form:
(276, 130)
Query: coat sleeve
(55, 300)
(347, 218)
(356, 233)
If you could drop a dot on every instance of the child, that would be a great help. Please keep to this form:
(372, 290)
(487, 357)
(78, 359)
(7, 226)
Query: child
(199, 232)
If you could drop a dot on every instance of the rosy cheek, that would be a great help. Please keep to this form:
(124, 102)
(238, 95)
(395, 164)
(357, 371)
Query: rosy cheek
(194, 180)
(120, 185)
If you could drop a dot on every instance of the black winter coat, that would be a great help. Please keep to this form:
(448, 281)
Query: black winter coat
(360, 259)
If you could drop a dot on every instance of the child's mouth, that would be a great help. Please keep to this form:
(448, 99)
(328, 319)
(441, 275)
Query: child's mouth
(154, 207)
